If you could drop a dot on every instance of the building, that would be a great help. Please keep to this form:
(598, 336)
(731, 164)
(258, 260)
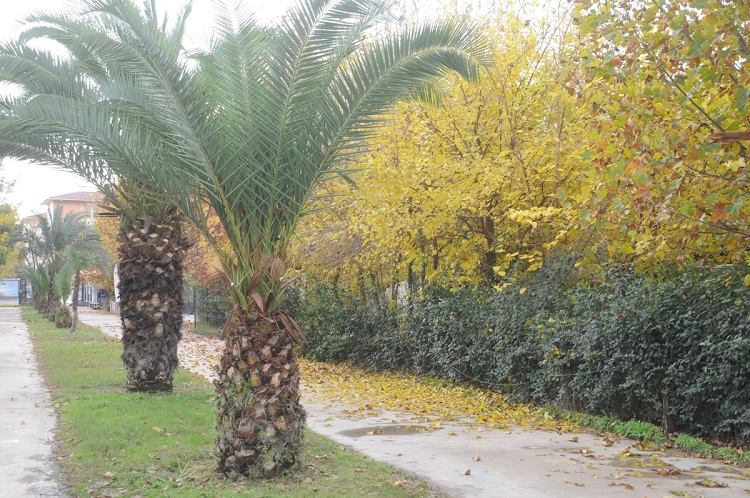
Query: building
(77, 202)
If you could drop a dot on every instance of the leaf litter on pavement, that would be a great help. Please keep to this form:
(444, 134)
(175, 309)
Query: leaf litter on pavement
(431, 400)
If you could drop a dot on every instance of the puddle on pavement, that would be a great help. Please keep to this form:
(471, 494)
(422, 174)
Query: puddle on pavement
(740, 472)
(388, 430)
(659, 466)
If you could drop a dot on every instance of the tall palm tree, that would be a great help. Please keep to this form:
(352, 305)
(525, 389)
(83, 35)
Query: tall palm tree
(245, 137)
(150, 235)
(151, 246)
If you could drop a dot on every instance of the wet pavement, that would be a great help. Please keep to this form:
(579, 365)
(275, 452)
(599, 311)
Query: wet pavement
(27, 418)
(469, 459)
(465, 459)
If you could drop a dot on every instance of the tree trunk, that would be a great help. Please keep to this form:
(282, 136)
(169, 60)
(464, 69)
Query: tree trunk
(489, 257)
(74, 302)
(260, 419)
(151, 300)
(53, 302)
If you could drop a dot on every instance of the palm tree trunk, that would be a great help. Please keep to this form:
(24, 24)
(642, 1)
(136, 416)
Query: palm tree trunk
(52, 301)
(260, 422)
(150, 288)
(74, 301)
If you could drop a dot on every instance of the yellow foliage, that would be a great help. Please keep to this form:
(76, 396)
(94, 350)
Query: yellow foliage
(10, 253)
(657, 187)
(13, 262)
(464, 191)
(431, 400)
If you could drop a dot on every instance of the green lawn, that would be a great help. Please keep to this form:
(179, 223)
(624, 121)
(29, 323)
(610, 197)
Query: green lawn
(117, 443)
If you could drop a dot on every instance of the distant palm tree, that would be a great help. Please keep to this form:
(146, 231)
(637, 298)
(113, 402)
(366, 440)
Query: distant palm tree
(244, 137)
(63, 317)
(46, 245)
(56, 92)
(77, 260)
(39, 279)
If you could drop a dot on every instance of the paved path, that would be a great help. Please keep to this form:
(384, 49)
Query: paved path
(465, 460)
(27, 419)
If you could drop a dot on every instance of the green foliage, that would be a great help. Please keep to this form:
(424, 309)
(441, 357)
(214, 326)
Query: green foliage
(692, 444)
(601, 423)
(699, 447)
(629, 347)
(349, 326)
(642, 431)
(39, 279)
(63, 281)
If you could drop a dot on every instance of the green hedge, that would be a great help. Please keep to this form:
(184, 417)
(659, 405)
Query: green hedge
(675, 351)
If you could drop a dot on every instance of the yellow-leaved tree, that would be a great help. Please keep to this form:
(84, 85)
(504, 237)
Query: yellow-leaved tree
(666, 87)
(467, 190)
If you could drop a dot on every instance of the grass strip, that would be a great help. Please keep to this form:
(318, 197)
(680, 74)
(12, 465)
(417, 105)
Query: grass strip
(115, 443)
(654, 435)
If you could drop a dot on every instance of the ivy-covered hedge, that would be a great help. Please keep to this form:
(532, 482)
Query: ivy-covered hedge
(673, 352)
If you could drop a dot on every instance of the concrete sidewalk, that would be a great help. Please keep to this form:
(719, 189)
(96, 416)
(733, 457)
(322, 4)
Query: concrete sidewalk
(27, 419)
(471, 460)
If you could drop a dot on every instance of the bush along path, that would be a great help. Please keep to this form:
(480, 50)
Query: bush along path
(470, 442)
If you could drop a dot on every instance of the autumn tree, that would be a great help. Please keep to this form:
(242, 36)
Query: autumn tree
(666, 85)
(107, 226)
(469, 188)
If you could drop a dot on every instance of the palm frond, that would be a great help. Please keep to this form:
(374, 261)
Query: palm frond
(247, 134)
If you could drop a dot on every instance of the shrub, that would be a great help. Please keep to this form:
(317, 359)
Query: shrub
(344, 326)
(671, 352)
(63, 317)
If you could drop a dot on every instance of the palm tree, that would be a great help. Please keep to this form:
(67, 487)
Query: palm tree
(151, 246)
(39, 280)
(78, 259)
(151, 239)
(45, 247)
(63, 317)
(245, 137)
